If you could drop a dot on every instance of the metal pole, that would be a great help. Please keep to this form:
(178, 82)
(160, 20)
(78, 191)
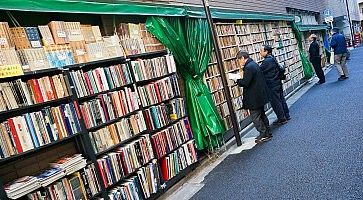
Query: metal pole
(350, 23)
(223, 73)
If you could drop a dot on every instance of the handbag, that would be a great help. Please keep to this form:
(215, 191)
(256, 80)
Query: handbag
(281, 69)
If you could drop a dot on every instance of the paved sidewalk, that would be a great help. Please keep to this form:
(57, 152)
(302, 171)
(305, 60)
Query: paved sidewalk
(317, 155)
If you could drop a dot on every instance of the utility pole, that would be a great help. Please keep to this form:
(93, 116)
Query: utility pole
(350, 22)
(223, 73)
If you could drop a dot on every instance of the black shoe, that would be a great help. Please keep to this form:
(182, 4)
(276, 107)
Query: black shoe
(265, 138)
(280, 122)
(342, 78)
(320, 82)
(288, 118)
(346, 77)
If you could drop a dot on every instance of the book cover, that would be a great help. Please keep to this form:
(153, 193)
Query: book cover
(33, 134)
(15, 136)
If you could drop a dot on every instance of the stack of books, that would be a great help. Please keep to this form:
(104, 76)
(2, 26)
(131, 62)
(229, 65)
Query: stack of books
(21, 187)
(70, 164)
(48, 176)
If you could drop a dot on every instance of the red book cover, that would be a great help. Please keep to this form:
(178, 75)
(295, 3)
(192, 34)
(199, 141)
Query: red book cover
(158, 92)
(85, 117)
(37, 92)
(122, 99)
(148, 120)
(154, 142)
(102, 172)
(88, 82)
(98, 77)
(77, 109)
(53, 88)
(18, 146)
(105, 110)
(164, 169)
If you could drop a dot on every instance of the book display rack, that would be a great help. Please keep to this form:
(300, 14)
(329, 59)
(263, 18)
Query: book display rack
(233, 37)
(111, 126)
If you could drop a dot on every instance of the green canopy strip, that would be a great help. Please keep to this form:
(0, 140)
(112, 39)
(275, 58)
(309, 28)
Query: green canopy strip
(121, 7)
(308, 69)
(190, 42)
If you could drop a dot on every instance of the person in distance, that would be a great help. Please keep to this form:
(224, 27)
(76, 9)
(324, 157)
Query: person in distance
(255, 95)
(315, 58)
(339, 45)
(270, 69)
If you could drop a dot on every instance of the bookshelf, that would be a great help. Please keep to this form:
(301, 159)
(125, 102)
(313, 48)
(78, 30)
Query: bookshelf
(250, 37)
(130, 128)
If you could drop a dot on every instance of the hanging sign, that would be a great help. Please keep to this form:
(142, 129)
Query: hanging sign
(11, 70)
(239, 21)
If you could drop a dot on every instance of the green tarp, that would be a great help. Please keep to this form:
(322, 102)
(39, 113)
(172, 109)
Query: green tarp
(120, 7)
(190, 42)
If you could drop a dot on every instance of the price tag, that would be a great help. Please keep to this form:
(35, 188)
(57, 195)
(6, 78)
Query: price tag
(61, 56)
(77, 32)
(80, 52)
(3, 41)
(173, 116)
(239, 22)
(36, 44)
(11, 70)
(61, 34)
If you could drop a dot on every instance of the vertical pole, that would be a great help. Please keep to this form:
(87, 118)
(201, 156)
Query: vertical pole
(350, 23)
(223, 73)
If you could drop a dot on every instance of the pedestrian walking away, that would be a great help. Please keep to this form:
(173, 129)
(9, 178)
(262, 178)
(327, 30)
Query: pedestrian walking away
(270, 68)
(339, 45)
(315, 58)
(255, 95)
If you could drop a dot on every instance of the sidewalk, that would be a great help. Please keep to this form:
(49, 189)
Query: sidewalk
(317, 155)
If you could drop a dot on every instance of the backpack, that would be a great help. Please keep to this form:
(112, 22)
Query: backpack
(281, 69)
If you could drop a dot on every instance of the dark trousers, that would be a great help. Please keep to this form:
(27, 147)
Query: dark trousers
(317, 67)
(260, 121)
(278, 103)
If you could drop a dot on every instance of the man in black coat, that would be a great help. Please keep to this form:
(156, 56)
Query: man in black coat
(315, 58)
(254, 94)
(270, 69)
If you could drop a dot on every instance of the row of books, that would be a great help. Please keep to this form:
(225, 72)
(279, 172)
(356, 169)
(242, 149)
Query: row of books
(60, 168)
(161, 115)
(177, 161)
(18, 93)
(135, 39)
(242, 29)
(171, 138)
(214, 83)
(145, 69)
(118, 132)
(100, 79)
(227, 41)
(32, 130)
(218, 97)
(110, 106)
(125, 160)
(224, 29)
(230, 65)
(141, 186)
(212, 71)
(159, 91)
(229, 53)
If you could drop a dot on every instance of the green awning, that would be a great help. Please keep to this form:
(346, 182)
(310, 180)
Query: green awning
(304, 28)
(118, 7)
(121, 7)
(218, 13)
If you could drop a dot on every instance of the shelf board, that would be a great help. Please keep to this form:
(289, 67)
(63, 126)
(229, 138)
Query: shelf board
(27, 153)
(230, 46)
(172, 151)
(233, 70)
(159, 103)
(93, 63)
(31, 107)
(144, 82)
(229, 58)
(147, 54)
(85, 98)
(214, 76)
(227, 35)
(242, 34)
(152, 132)
(219, 89)
(111, 121)
(120, 144)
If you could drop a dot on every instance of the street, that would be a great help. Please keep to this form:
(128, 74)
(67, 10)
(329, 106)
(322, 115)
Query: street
(317, 155)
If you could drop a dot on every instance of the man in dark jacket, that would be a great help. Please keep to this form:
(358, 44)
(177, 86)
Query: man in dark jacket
(270, 69)
(315, 58)
(254, 94)
(339, 45)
